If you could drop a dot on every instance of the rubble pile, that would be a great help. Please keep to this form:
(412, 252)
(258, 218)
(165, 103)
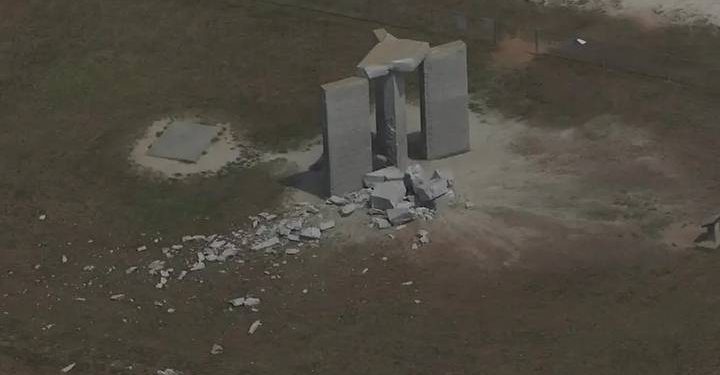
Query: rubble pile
(393, 198)
(390, 199)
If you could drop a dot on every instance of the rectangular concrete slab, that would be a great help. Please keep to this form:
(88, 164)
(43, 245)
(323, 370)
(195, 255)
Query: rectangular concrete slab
(183, 140)
(346, 137)
(391, 118)
(444, 101)
(392, 54)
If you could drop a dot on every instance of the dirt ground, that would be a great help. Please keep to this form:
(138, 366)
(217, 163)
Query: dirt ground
(588, 187)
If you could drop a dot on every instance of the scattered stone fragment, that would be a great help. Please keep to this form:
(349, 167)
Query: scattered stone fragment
(348, 209)
(364, 271)
(423, 236)
(293, 237)
(42, 218)
(266, 244)
(155, 266)
(197, 266)
(387, 195)
(381, 223)
(469, 205)
(64, 259)
(311, 233)
(338, 201)
(426, 191)
(216, 349)
(292, 251)
(68, 368)
(251, 301)
(398, 216)
(88, 268)
(267, 216)
(142, 248)
(444, 175)
(169, 371)
(117, 297)
(407, 283)
(414, 246)
(182, 275)
(382, 175)
(253, 327)
(325, 225)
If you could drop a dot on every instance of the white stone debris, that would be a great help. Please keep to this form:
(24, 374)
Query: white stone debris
(387, 195)
(469, 205)
(423, 236)
(182, 274)
(131, 270)
(326, 225)
(169, 371)
(88, 268)
(142, 248)
(117, 297)
(382, 175)
(216, 349)
(254, 327)
(348, 209)
(244, 301)
(292, 251)
(444, 175)
(42, 218)
(407, 283)
(155, 266)
(381, 223)
(313, 233)
(398, 216)
(68, 368)
(337, 201)
(266, 244)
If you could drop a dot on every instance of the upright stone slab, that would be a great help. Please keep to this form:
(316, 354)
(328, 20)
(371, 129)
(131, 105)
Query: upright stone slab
(391, 118)
(346, 134)
(444, 101)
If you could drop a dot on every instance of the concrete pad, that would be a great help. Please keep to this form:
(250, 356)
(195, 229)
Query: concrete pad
(387, 194)
(444, 101)
(392, 54)
(184, 140)
(346, 139)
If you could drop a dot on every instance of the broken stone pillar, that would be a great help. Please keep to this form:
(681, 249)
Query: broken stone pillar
(346, 134)
(385, 64)
(391, 118)
(444, 101)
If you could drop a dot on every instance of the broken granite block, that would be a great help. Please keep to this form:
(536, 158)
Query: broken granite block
(387, 194)
(338, 201)
(266, 244)
(381, 223)
(444, 175)
(325, 225)
(398, 216)
(311, 233)
(348, 209)
(426, 191)
(382, 175)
